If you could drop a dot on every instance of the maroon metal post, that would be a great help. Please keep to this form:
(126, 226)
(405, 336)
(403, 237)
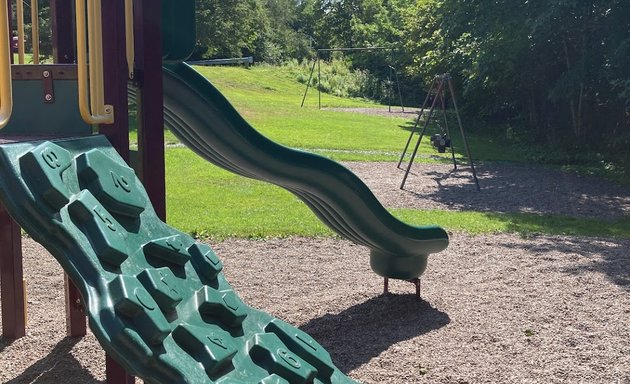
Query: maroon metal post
(12, 287)
(75, 315)
(115, 373)
(63, 31)
(115, 74)
(148, 76)
(416, 282)
(64, 53)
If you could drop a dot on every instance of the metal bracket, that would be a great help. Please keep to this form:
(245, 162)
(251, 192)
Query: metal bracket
(47, 74)
(49, 87)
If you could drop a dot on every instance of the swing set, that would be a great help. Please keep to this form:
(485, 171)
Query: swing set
(392, 78)
(442, 140)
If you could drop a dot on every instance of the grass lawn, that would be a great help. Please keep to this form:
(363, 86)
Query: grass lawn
(211, 203)
(270, 100)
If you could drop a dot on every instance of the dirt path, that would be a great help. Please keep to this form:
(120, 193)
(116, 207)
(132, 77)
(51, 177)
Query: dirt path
(397, 112)
(496, 309)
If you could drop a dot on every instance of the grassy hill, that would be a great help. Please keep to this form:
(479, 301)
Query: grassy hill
(270, 97)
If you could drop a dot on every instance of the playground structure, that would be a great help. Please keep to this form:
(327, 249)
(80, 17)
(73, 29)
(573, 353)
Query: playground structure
(437, 94)
(156, 299)
(392, 78)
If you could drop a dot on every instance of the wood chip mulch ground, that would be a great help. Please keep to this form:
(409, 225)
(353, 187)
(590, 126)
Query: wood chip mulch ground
(495, 309)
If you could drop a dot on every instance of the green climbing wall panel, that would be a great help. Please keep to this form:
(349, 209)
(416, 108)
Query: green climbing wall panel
(45, 102)
(155, 298)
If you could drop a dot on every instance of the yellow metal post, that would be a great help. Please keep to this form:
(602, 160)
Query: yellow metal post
(131, 53)
(90, 47)
(20, 30)
(96, 53)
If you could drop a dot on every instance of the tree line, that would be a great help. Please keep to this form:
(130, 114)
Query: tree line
(557, 71)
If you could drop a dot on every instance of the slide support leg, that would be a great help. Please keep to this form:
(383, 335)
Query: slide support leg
(12, 287)
(116, 374)
(75, 316)
(415, 282)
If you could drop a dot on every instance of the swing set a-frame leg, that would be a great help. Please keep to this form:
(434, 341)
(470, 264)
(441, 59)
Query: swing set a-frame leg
(424, 129)
(448, 130)
(461, 129)
(417, 122)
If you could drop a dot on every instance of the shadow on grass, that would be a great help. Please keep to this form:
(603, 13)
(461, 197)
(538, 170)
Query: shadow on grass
(362, 332)
(59, 366)
(409, 126)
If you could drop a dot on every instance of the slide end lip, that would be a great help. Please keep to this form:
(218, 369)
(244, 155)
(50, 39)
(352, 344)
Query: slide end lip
(396, 267)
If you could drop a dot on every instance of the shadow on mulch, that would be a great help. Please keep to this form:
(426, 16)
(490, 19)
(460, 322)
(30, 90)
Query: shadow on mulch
(362, 332)
(4, 343)
(612, 257)
(58, 367)
(510, 188)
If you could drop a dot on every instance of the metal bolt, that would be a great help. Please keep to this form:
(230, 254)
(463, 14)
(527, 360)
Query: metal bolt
(46, 73)
(48, 97)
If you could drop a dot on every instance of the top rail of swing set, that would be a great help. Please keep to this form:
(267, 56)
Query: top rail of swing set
(350, 49)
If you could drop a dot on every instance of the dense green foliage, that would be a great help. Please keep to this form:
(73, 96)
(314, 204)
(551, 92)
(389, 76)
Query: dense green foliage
(555, 69)
(553, 72)
(266, 29)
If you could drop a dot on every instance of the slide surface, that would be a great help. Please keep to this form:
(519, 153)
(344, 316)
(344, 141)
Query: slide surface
(200, 116)
(155, 298)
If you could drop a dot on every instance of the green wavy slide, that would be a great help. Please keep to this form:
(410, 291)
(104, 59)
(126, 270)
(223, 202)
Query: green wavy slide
(201, 117)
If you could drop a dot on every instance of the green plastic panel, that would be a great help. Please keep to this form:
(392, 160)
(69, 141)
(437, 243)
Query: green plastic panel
(155, 298)
(178, 29)
(33, 117)
(201, 117)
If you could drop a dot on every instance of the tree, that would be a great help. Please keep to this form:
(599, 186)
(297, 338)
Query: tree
(229, 28)
(552, 68)
(283, 38)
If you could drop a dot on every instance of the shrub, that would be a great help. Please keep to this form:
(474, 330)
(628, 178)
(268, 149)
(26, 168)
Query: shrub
(339, 78)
